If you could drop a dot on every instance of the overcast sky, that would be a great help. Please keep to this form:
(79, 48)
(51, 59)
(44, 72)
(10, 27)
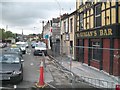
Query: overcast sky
(27, 14)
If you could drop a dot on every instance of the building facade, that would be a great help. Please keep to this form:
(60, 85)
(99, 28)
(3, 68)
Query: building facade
(47, 34)
(64, 34)
(98, 35)
(68, 28)
(55, 33)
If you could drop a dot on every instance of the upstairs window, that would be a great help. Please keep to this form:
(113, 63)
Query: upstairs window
(98, 15)
(64, 26)
(71, 24)
(81, 21)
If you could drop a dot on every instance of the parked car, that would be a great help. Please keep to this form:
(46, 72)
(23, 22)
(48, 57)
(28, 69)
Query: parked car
(15, 50)
(12, 68)
(40, 48)
(33, 44)
(26, 43)
(4, 45)
(1, 45)
(22, 46)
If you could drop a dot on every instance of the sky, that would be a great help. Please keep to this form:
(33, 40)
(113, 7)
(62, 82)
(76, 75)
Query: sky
(27, 15)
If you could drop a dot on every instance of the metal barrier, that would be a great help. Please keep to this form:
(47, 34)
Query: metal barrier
(98, 83)
(95, 56)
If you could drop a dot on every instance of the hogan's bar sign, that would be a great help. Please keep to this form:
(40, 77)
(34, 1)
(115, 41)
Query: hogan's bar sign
(109, 32)
(103, 32)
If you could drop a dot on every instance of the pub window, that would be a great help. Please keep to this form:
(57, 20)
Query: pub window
(81, 21)
(95, 50)
(98, 15)
(71, 24)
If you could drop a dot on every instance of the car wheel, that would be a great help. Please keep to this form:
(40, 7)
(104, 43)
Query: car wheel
(34, 54)
(45, 53)
(24, 52)
(21, 78)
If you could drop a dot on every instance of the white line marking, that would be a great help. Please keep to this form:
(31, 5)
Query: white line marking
(31, 64)
(15, 86)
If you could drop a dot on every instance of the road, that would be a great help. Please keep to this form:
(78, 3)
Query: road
(30, 71)
(53, 76)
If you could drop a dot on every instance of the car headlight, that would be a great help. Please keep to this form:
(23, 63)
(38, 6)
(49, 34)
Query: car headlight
(17, 72)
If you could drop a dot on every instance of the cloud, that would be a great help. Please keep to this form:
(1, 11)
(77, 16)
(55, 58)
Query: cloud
(26, 13)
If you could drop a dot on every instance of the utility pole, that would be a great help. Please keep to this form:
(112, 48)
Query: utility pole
(6, 28)
(22, 34)
(42, 28)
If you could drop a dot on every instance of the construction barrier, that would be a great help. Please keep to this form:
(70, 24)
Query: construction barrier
(41, 83)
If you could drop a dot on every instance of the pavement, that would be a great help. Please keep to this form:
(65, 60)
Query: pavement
(90, 74)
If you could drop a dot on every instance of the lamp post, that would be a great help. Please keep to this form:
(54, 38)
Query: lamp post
(42, 28)
(22, 35)
(6, 28)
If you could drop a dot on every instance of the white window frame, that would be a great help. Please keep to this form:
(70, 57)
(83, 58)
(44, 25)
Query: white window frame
(96, 16)
(94, 46)
(81, 22)
(64, 26)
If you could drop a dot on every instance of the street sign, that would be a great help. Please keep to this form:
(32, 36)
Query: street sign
(46, 36)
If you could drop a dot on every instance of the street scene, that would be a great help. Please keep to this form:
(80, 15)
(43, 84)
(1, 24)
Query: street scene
(55, 75)
(59, 44)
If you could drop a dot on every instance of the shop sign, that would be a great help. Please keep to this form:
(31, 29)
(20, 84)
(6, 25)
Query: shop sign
(96, 33)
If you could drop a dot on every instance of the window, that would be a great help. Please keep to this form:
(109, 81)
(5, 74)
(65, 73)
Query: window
(67, 36)
(71, 24)
(71, 47)
(95, 50)
(81, 2)
(81, 21)
(64, 26)
(98, 15)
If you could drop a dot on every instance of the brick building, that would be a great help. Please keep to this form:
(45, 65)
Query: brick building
(98, 35)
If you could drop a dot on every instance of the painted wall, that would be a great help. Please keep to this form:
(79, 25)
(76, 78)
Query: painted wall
(86, 51)
(116, 60)
(106, 55)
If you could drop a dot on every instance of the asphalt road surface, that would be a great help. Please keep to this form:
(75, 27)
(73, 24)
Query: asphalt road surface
(30, 70)
(54, 77)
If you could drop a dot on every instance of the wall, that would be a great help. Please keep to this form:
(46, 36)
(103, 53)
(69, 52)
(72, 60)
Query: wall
(106, 55)
(116, 61)
(95, 64)
(86, 51)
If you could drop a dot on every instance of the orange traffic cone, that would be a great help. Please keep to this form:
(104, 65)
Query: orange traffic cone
(117, 87)
(41, 79)
(41, 82)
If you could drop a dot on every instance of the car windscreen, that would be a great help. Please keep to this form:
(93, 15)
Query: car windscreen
(14, 49)
(7, 58)
(41, 45)
(21, 45)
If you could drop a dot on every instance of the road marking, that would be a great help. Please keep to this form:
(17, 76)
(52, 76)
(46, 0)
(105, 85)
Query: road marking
(28, 53)
(31, 64)
(15, 86)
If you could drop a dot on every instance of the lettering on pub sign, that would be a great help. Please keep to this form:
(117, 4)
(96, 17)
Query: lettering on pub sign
(96, 33)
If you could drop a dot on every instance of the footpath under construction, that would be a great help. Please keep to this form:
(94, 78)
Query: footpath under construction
(83, 73)
(54, 76)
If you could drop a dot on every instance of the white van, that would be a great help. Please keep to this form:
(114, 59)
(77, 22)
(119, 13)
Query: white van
(22, 46)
